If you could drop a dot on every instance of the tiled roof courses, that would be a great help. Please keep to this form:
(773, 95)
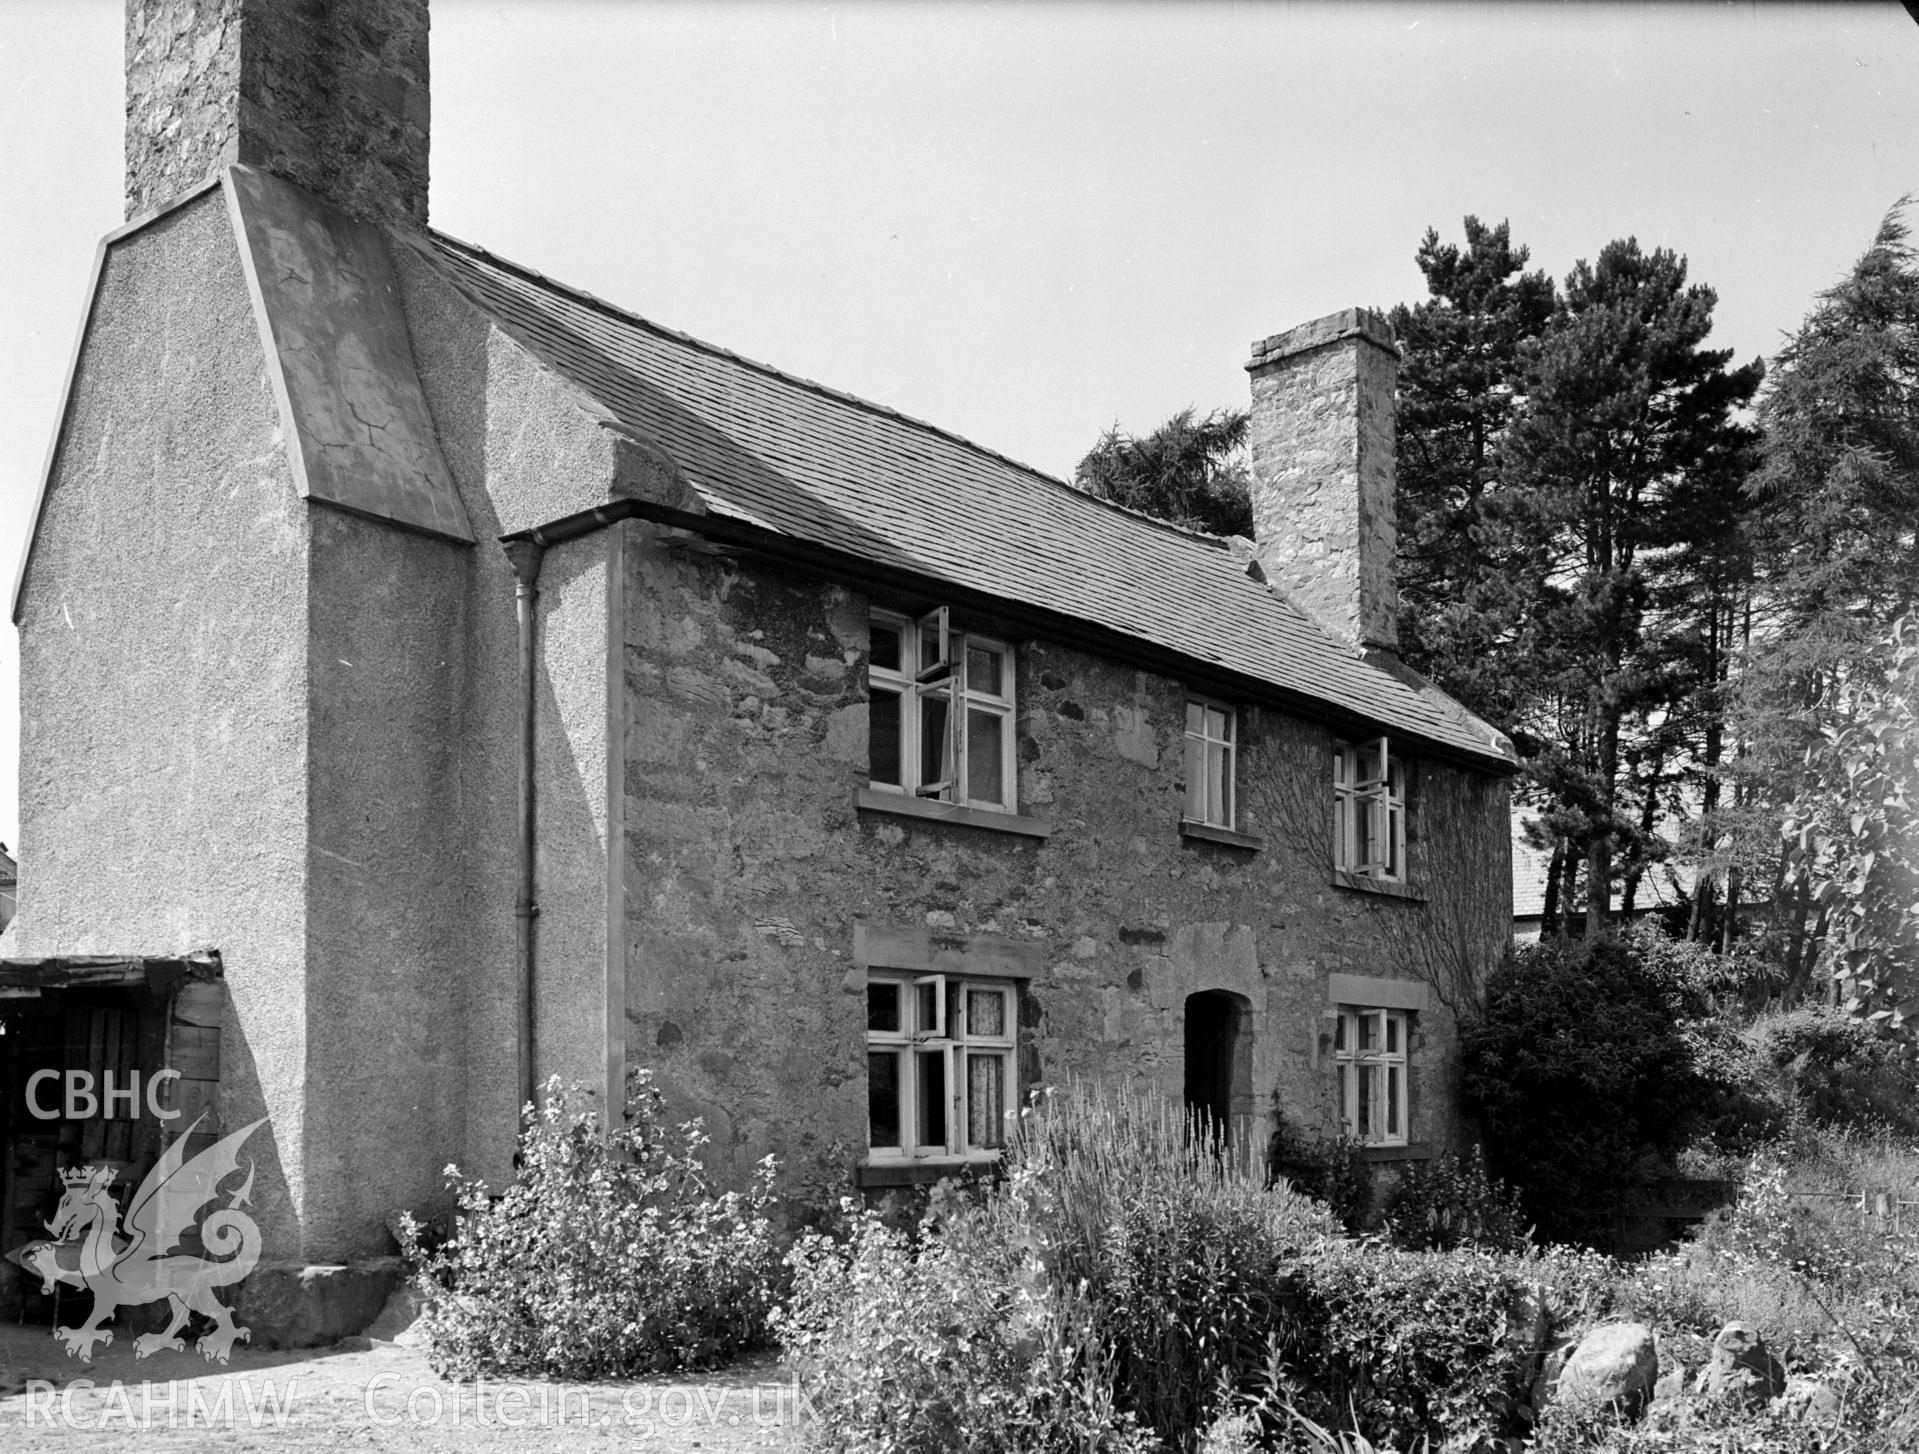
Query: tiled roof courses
(824, 467)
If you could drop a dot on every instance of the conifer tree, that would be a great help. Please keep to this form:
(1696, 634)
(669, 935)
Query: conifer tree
(1630, 425)
(1470, 558)
(1836, 506)
(1190, 471)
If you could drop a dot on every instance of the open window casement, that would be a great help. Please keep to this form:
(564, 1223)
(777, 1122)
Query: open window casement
(929, 1007)
(1373, 769)
(942, 734)
(935, 658)
(941, 1066)
(933, 1133)
(1373, 765)
(1377, 840)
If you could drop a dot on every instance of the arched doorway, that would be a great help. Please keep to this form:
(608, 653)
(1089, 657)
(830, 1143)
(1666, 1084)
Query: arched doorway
(1218, 1063)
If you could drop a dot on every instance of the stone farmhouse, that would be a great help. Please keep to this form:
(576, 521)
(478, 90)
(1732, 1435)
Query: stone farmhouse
(435, 679)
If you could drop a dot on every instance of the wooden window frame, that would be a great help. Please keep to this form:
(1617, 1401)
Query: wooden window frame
(953, 1040)
(1354, 1064)
(918, 681)
(1204, 742)
(1370, 786)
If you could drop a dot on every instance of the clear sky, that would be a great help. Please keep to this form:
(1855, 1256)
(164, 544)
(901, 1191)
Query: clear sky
(1026, 221)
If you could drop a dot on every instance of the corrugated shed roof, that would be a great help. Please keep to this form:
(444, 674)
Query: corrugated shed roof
(815, 465)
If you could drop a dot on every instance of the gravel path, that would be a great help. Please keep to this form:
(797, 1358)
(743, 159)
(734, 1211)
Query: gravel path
(377, 1397)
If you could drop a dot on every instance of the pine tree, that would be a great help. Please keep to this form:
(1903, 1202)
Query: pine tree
(1630, 423)
(1469, 555)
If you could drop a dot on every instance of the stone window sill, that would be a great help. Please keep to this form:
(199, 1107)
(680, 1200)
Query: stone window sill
(1360, 883)
(1209, 833)
(1416, 1151)
(920, 1173)
(871, 800)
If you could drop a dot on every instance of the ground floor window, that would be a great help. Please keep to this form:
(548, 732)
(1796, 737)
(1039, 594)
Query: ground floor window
(1369, 1047)
(939, 1065)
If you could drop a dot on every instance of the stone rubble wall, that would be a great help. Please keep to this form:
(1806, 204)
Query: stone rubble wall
(1321, 440)
(332, 96)
(749, 868)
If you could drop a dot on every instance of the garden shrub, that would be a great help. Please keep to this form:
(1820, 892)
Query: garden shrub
(1703, 1426)
(1404, 1345)
(1589, 1067)
(1124, 1287)
(1326, 1168)
(1104, 1293)
(1450, 1202)
(955, 1340)
(1187, 1258)
(1831, 1286)
(1807, 1222)
(608, 1256)
(1838, 1070)
(1080, 1304)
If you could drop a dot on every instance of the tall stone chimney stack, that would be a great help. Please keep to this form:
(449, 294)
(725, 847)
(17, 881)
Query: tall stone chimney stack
(328, 94)
(1322, 447)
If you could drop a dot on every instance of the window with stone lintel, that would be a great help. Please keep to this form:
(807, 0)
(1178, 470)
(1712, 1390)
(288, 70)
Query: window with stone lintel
(940, 712)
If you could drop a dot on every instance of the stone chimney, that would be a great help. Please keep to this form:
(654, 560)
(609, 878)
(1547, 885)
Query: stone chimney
(1322, 448)
(328, 94)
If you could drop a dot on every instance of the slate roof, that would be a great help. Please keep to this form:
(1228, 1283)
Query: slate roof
(816, 465)
(1662, 886)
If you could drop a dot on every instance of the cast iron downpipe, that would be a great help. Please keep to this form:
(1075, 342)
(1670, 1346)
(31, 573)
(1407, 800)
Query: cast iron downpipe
(525, 556)
(525, 550)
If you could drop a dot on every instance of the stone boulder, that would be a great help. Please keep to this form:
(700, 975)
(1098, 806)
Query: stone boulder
(1813, 1402)
(1614, 1364)
(1671, 1386)
(395, 1323)
(1743, 1371)
(287, 1305)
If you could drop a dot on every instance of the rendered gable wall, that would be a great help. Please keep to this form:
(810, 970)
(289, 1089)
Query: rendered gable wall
(258, 723)
(164, 669)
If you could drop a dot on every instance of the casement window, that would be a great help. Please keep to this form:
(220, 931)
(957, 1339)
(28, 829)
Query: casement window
(940, 709)
(1211, 753)
(1369, 1048)
(939, 1066)
(1369, 810)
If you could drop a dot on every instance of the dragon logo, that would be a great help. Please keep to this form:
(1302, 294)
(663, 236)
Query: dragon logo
(142, 1261)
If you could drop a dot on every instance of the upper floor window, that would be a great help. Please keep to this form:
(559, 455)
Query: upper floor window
(940, 712)
(1369, 810)
(939, 1066)
(1211, 730)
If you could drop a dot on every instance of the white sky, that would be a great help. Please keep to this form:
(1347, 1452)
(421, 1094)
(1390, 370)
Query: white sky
(1024, 222)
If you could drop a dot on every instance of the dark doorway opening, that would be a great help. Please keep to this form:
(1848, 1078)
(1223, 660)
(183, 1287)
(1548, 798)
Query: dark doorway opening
(1218, 1067)
(43, 1038)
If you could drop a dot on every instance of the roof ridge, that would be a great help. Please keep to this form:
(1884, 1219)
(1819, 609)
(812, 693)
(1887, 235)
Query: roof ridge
(1203, 537)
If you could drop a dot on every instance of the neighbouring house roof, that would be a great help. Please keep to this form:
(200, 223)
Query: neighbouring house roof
(820, 467)
(1662, 885)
